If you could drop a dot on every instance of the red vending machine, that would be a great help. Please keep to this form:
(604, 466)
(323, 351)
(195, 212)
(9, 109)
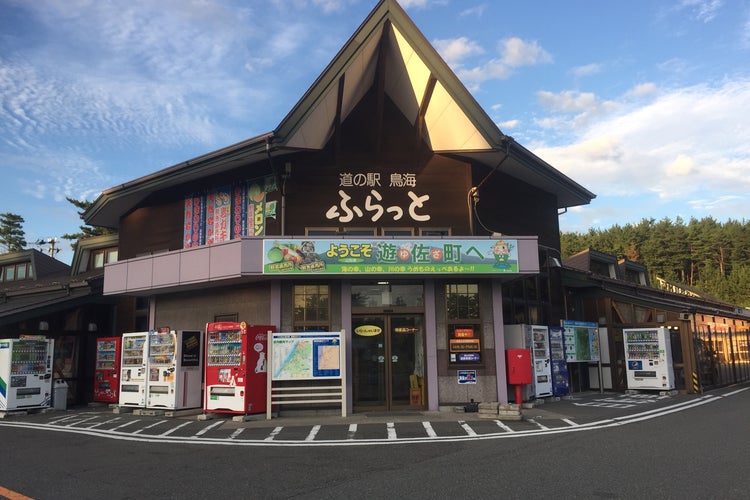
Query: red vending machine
(236, 367)
(107, 370)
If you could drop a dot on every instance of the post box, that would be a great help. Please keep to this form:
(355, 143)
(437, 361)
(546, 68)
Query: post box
(519, 366)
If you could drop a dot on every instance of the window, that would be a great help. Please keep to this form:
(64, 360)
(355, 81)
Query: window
(464, 325)
(311, 308)
(434, 231)
(16, 272)
(103, 256)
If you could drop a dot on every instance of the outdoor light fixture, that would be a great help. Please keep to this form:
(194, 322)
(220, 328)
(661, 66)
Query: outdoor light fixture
(93, 327)
(43, 326)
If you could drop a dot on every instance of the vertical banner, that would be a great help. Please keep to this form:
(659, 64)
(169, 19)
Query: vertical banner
(194, 229)
(218, 215)
(239, 211)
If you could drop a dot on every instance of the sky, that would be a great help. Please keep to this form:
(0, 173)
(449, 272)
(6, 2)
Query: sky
(646, 104)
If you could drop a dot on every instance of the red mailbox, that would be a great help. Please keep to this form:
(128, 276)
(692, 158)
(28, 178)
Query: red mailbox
(518, 362)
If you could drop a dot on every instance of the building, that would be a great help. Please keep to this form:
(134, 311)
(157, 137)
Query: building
(709, 338)
(386, 204)
(40, 295)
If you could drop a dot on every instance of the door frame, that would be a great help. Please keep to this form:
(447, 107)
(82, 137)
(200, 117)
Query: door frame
(390, 404)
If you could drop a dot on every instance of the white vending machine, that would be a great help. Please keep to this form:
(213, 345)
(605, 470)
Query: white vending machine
(175, 369)
(133, 369)
(536, 339)
(648, 358)
(26, 373)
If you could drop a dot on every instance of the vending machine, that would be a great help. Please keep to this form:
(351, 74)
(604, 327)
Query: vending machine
(133, 369)
(648, 358)
(560, 384)
(175, 369)
(107, 370)
(536, 339)
(26, 373)
(236, 367)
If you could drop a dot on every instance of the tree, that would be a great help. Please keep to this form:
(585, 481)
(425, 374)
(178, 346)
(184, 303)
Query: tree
(86, 231)
(12, 235)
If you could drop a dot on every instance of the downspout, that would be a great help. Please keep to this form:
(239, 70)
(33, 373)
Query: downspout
(472, 197)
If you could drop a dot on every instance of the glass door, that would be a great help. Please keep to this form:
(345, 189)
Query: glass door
(388, 360)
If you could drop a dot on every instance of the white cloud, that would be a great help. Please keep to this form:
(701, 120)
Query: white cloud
(509, 124)
(455, 50)
(516, 52)
(474, 11)
(642, 90)
(702, 10)
(689, 143)
(586, 70)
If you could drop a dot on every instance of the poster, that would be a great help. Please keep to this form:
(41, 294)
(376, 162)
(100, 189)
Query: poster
(581, 341)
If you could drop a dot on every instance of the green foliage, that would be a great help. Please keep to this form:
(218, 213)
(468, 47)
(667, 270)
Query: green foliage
(86, 231)
(12, 235)
(705, 253)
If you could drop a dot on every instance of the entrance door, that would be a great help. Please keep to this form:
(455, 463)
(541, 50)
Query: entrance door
(388, 360)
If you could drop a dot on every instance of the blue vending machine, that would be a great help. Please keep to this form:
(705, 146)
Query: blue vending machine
(560, 386)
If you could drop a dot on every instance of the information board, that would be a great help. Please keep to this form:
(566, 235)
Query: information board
(306, 355)
(581, 341)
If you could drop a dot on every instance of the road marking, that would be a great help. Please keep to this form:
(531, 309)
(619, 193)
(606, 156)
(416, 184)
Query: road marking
(313, 433)
(543, 427)
(273, 434)
(105, 422)
(76, 422)
(352, 431)
(237, 433)
(391, 430)
(428, 428)
(467, 428)
(127, 424)
(12, 495)
(569, 422)
(503, 426)
(508, 434)
(170, 431)
(208, 428)
(148, 426)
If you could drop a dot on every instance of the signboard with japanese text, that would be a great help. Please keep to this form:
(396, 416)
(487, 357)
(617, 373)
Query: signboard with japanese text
(581, 341)
(392, 256)
(467, 376)
(306, 355)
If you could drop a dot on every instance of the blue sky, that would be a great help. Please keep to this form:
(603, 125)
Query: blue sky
(646, 104)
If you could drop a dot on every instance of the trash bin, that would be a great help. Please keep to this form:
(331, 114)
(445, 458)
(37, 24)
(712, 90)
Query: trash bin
(60, 395)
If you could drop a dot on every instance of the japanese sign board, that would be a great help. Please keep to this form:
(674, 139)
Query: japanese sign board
(467, 376)
(392, 256)
(581, 341)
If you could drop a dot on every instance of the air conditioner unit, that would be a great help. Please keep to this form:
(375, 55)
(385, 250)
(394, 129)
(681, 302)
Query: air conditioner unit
(685, 316)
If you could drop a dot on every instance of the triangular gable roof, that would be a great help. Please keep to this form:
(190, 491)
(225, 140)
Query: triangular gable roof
(416, 79)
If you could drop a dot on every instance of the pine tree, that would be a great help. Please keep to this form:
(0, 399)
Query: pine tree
(86, 231)
(12, 235)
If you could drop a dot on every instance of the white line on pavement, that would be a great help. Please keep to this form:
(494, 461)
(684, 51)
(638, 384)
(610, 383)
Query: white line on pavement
(313, 433)
(428, 428)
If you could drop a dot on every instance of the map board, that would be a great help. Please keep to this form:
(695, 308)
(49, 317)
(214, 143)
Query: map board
(581, 340)
(306, 355)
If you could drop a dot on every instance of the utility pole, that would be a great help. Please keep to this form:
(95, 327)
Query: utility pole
(52, 248)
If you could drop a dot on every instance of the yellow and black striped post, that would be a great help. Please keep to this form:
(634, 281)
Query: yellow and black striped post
(696, 383)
